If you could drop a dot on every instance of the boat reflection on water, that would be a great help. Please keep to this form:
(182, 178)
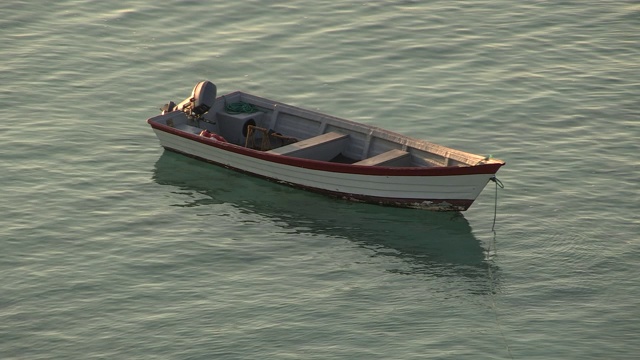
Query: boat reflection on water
(433, 243)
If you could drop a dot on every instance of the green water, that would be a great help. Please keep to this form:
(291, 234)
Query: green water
(112, 248)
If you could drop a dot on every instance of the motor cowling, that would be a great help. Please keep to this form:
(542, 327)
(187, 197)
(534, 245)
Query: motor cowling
(201, 100)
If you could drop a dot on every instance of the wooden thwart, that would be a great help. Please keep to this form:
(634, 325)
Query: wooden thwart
(322, 147)
(393, 157)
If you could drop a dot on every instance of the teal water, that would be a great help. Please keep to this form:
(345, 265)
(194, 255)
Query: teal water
(112, 248)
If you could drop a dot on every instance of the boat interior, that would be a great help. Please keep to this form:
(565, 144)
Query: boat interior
(280, 129)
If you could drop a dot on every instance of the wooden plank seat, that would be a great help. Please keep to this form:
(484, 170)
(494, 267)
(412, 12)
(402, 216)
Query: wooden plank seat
(322, 147)
(393, 157)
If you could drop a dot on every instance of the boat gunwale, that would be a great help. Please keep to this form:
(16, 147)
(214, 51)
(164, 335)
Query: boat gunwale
(487, 168)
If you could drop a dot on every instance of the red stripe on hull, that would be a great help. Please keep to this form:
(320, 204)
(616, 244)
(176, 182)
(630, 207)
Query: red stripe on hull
(333, 167)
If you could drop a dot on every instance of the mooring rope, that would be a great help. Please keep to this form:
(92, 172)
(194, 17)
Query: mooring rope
(492, 245)
(495, 205)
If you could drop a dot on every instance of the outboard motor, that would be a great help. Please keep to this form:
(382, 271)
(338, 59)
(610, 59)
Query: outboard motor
(201, 100)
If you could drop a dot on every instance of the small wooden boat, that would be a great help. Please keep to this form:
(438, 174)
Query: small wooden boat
(321, 153)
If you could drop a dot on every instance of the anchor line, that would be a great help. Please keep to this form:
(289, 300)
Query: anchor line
(495, 205)
(493, 247)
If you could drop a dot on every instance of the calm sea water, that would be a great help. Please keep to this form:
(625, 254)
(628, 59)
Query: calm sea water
(112, 248)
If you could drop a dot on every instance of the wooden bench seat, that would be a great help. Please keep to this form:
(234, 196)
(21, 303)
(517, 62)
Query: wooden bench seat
(322, 147)
(393, 157)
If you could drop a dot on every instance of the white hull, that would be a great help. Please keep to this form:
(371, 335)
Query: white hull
(432, 193)
(322, 153)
